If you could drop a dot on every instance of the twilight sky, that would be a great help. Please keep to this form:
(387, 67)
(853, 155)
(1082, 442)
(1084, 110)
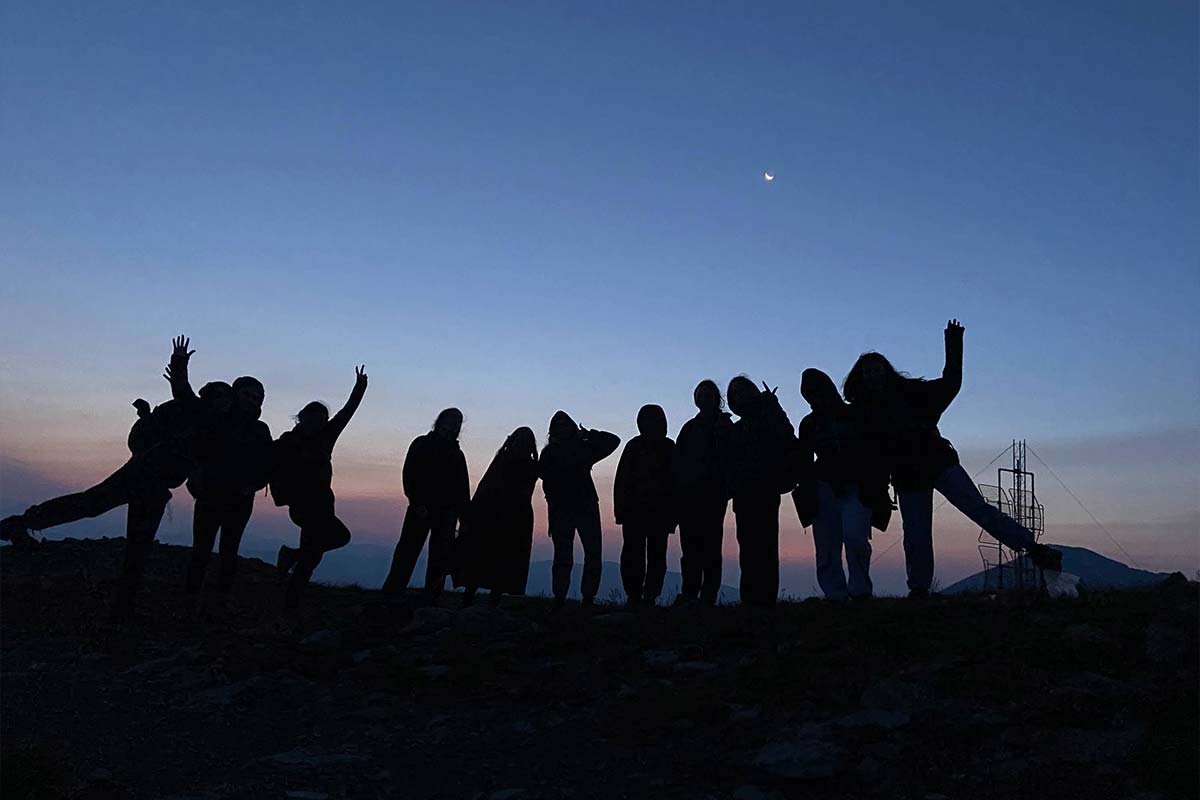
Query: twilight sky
(522, 207)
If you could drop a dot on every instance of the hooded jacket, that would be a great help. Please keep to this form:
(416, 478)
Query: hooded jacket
(642, 490)
(567, 459)
(834, 434)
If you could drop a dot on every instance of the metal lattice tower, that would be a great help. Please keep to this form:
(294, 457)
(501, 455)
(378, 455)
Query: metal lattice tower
(1015, 494)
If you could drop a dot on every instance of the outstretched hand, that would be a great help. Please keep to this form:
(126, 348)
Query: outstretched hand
(179, 348)
(954, 328)
(768, 389)
(360, 377)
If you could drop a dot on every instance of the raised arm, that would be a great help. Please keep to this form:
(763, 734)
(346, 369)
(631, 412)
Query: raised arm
(177, 370)
(339, 421)
(952, 373)
(602, 444)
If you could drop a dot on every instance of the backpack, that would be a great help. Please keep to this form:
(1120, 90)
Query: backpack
(285, 483)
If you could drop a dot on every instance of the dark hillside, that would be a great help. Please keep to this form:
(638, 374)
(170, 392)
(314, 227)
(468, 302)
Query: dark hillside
(953, 697)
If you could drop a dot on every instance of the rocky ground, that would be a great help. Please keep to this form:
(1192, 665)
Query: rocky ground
(945, 698)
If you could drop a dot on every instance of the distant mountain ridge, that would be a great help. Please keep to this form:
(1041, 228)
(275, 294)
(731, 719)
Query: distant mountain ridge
(367, 565)
(1094, 570)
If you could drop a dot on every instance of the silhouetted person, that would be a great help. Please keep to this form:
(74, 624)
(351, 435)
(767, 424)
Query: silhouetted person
(438, 491)
(843, 491)
(236, 464)
(497, 531)
(302, 480)
(762, 463)
(644, 506)
(163, 445)
(904, 413)
(701, 494)
(571, 501)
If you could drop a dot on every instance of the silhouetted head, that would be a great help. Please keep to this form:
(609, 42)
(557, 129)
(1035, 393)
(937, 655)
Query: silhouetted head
(448, 424)
(871, 378)
(312, 417)
(652, 422)
(562, 426)
(707, 397)
(819, 390)
(521, 442)
(218, 396)
(744, 396)
(249, 394)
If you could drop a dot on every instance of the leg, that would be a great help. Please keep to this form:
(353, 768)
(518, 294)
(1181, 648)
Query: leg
(656, 565)
(633, 561)
(413, 534)
(562, 534)
(117, 489)
(962, 493)
(144, 515)
(233, 525)
(322, 532)
(916, 514)
(827, 543)
(441, 553)
(712, 536)
(589, 536)
(206, 520)
(856, 534)
(690, 557)
(758, 544)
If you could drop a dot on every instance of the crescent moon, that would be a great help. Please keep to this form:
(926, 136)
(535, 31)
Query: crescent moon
(768, 177)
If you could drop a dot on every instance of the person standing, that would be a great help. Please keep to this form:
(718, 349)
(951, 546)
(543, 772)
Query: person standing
(438, 491)
(762, 464)
(571, 501)
(497, 532)
(644, 506)
(225, 482)
(701, 494)
(842, 492)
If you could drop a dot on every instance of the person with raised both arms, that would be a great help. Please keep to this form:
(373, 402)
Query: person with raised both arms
(903, 414)
(572, 503)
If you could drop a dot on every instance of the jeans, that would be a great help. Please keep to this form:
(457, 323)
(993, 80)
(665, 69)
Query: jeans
(916, 512)
(842, 521)
(564, 522)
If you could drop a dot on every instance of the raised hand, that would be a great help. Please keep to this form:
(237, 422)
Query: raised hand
(954, 328)
(360, 376)
(768, 389)
(179, 348)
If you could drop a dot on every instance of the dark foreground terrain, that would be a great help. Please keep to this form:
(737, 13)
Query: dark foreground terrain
(947, 698)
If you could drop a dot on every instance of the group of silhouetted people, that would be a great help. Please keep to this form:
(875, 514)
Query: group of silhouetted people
(881, 430)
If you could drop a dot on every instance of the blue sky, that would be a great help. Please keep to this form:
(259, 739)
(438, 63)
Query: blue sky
(524, 207)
